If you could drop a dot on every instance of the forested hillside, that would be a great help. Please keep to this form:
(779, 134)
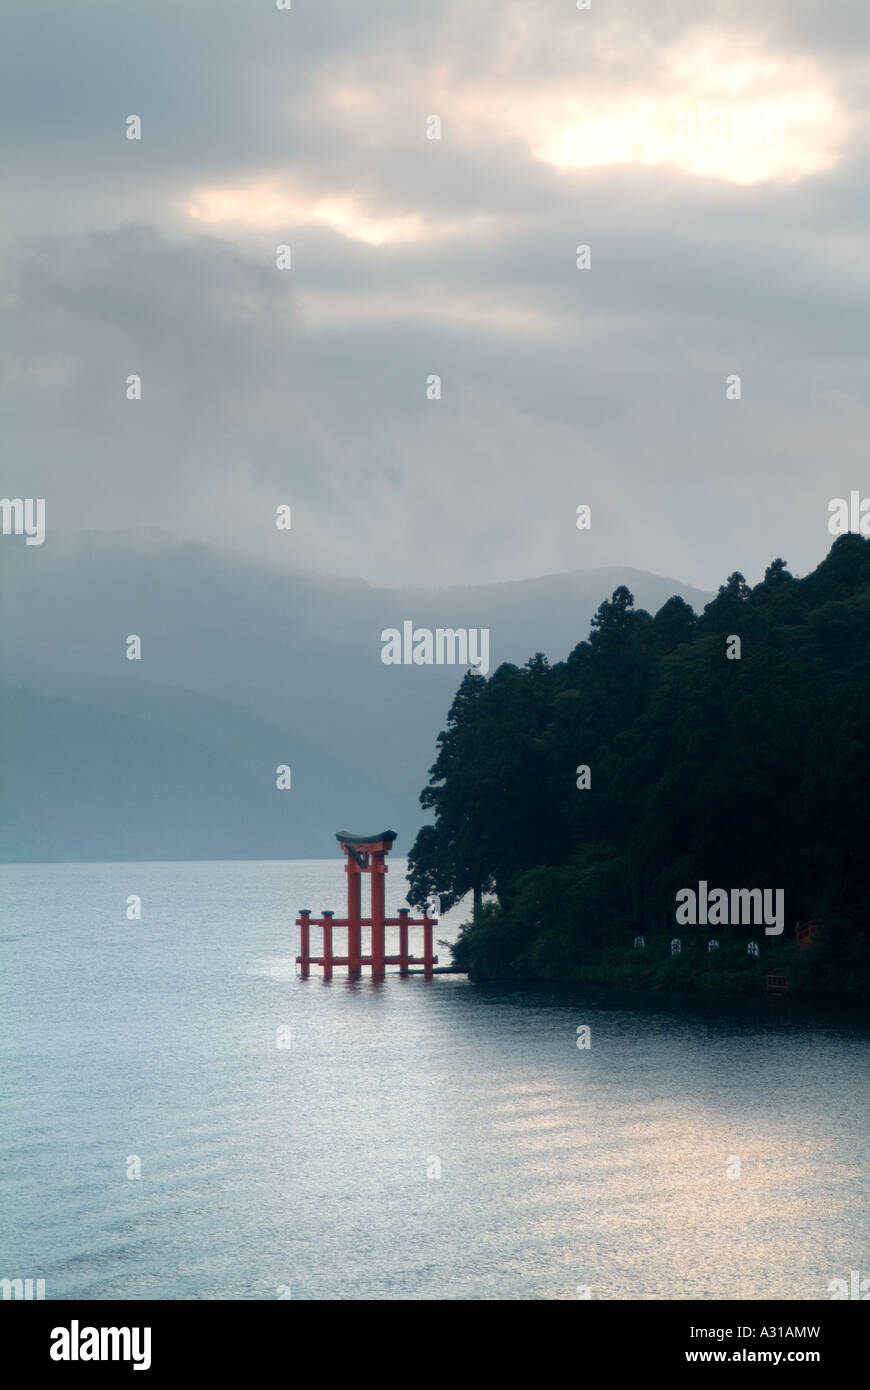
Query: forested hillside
(746, 770)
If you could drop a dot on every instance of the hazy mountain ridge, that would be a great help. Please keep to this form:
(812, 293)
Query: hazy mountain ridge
(243, 668)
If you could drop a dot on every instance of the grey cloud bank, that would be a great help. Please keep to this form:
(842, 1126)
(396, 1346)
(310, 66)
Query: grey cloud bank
(308, 388)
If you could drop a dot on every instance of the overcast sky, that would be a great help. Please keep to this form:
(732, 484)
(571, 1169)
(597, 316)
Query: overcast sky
(739, 247)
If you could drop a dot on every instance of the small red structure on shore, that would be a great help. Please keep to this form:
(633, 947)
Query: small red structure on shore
(775, 984)
(365, 854)
(805, 933)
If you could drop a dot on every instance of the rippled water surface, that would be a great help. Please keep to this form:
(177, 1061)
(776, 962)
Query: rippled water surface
(417, 1139)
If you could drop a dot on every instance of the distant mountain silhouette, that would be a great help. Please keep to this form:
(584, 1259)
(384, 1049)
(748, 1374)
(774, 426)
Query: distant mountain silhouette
(243, 668)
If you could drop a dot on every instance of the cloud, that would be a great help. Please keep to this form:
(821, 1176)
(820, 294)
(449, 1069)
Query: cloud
(715, 164)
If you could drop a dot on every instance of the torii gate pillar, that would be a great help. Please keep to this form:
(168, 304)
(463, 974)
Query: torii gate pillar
(354, 915)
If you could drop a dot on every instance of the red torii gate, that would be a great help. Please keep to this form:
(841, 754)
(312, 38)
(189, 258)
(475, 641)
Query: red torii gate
(365, 854)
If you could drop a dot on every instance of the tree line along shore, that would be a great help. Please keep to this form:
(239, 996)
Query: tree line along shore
(575, 801)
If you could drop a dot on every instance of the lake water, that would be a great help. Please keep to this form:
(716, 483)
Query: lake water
(417, 1139)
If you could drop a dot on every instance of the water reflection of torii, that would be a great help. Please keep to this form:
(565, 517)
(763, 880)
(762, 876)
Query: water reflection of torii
(365, 854)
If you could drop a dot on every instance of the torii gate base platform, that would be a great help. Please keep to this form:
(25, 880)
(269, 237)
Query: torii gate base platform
(365, 854)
